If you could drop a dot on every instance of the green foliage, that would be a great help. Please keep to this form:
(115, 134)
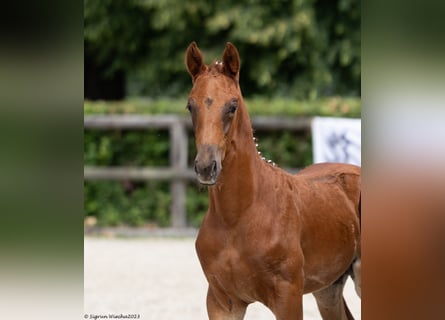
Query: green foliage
(130, 148)
(286, 149)
(116, 31)
(134, 204)
(197, 202)
(297, 48)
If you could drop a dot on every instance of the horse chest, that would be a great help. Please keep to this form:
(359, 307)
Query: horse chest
(241, 268)
(227, 267)
(228, 262)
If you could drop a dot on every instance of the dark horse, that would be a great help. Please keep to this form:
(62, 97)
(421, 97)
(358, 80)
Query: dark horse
(268, 236)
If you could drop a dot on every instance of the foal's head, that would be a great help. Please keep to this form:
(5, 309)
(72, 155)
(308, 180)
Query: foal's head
(213, 104)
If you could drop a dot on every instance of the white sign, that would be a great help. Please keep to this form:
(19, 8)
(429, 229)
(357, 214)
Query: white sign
(336, 140)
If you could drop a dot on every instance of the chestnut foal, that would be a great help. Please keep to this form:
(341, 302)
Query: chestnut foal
(267, 236)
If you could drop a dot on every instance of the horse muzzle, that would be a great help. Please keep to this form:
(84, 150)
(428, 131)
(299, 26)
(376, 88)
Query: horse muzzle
(208, 164)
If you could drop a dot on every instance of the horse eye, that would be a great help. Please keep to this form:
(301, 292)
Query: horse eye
(233, 106)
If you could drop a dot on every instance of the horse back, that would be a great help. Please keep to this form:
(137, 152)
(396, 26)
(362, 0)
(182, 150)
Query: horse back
(345, 176)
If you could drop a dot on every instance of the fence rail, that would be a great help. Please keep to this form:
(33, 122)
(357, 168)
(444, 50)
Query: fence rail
(178, 172)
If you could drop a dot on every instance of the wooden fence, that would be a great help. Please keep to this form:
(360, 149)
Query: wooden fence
(178, 172)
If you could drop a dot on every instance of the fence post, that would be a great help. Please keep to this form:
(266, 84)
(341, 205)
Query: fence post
(178, 160)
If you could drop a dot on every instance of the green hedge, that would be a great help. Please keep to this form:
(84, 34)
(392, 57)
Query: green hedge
(333, 106)
(139, 203)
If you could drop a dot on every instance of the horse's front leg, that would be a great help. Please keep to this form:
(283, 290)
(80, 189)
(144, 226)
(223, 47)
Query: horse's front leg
(224, 308)
(287, 301)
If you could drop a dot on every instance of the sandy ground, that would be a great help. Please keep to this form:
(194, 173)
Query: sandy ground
(159, 278)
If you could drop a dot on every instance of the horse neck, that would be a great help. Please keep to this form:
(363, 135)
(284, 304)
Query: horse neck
(235, 190)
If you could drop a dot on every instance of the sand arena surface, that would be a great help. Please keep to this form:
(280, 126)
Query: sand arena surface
(161, 279)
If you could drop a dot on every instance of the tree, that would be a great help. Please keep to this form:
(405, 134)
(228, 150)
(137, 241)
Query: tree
(295, 48)
(115, 40)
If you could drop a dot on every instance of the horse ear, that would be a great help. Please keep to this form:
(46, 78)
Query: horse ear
(194, 61)
(231, 61)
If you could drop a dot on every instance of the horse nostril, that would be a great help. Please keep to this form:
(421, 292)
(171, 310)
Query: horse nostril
(213, 166)
(196, 167)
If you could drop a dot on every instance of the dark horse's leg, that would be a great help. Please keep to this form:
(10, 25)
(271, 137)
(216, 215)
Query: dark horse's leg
(330, 301)
(357, 276)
